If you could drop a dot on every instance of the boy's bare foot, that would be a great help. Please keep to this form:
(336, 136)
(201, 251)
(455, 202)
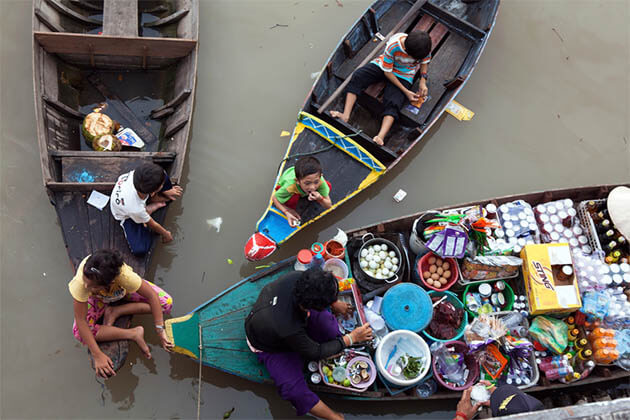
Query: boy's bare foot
(138, 337)
(154, 206)
(378, 140)
(110, 316)
(340, 115)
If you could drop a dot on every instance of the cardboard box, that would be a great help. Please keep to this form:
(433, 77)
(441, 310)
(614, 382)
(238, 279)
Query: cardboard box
(548, 291)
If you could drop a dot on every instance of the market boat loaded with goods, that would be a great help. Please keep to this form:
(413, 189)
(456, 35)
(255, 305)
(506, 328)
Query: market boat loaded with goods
(518, 290)
(112, 91)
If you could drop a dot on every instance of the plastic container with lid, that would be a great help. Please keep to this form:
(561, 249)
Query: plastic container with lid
(303, 261)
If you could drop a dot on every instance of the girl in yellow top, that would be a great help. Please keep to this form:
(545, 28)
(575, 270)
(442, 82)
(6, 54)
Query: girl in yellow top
(103, 278)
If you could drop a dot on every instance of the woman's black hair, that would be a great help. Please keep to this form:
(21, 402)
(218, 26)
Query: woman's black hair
(148, 178)
(316, 289)
(103, 266)
(307, 166)
(418, 44)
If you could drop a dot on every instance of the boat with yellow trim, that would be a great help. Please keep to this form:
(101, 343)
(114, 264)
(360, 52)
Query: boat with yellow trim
(350, 159)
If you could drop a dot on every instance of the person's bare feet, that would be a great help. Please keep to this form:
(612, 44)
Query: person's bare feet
(154, 206)
(138, 337)
(340, 115)
(378, 140)
(110, 315)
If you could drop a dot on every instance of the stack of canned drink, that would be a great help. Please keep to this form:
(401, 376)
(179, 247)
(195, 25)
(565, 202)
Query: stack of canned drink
(559, 223)
(519, 225)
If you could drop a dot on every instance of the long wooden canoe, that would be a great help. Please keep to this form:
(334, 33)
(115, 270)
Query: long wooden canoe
(214, 332)
(136, 61)
(351, 160)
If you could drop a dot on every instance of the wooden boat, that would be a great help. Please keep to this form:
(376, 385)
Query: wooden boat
(351, 160)
(88, 52)
(214, 332)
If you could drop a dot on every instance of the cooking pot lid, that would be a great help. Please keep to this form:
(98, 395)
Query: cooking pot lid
(407, 306)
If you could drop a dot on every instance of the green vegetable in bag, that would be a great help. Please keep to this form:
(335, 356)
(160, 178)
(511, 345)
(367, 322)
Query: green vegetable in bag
(551, 333)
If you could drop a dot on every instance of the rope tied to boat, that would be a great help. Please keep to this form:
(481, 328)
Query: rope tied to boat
(199, 379)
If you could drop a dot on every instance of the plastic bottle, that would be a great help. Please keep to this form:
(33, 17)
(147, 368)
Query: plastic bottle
(512, 320)
(318, 261)
(573, 334)
(601, 343)
(605, 355)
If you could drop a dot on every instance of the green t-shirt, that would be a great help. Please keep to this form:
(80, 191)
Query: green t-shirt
(288, 186)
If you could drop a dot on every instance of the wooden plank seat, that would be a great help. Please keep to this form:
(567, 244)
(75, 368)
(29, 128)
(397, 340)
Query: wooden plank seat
(87, 170)
(101, 169)
(86, 44)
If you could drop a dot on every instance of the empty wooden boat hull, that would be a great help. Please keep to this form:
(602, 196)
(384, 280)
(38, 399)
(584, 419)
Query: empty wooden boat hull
(92, 48)
(214, 333)
(351, 160)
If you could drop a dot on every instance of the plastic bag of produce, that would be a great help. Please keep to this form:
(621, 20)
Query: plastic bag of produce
(550, 332)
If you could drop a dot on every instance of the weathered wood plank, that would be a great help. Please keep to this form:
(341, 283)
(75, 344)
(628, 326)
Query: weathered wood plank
(175, 17)
(87, 5)
(163, 113)
(155, 156)
(413, 11)
(102, 169)
(181, 97)
(66, 43)
(461, 26)
(72, 215)
(43, 18)
(175, 127)
(132, 121)
(79, 186)
(72, 14)
(63, 108)
(120, 18)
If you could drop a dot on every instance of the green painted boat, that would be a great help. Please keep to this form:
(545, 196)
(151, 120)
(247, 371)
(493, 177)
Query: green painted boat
(215, 331)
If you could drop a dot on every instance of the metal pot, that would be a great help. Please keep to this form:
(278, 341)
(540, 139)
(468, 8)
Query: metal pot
(380, 241)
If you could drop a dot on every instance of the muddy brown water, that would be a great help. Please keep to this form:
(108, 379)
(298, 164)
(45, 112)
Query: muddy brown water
(550, 96)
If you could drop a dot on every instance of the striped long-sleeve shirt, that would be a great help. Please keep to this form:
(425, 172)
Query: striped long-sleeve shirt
(395, 59)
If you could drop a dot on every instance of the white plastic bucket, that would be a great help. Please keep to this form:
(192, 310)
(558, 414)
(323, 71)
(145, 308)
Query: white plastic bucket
(406, 342)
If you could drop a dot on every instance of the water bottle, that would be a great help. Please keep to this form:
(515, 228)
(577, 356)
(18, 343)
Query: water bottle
(318, 261)
(512, 320)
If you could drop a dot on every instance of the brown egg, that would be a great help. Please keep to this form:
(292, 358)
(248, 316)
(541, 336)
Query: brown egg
(446, 266)
(432, 260)
(443, 281)
(430, 282)
(435, 276)
(439, 261)
(446, 274)
(433, 268)
(426, 275)
(439, 270)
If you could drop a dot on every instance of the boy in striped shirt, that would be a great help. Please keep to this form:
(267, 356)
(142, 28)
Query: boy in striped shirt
(404, 55)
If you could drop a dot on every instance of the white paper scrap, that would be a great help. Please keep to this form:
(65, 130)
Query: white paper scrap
(98, 200)
(215, 223)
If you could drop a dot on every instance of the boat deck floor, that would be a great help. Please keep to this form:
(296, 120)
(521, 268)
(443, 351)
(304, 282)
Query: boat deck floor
(87, 229)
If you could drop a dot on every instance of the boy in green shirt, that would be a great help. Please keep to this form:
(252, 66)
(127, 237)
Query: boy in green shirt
(304, 180)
